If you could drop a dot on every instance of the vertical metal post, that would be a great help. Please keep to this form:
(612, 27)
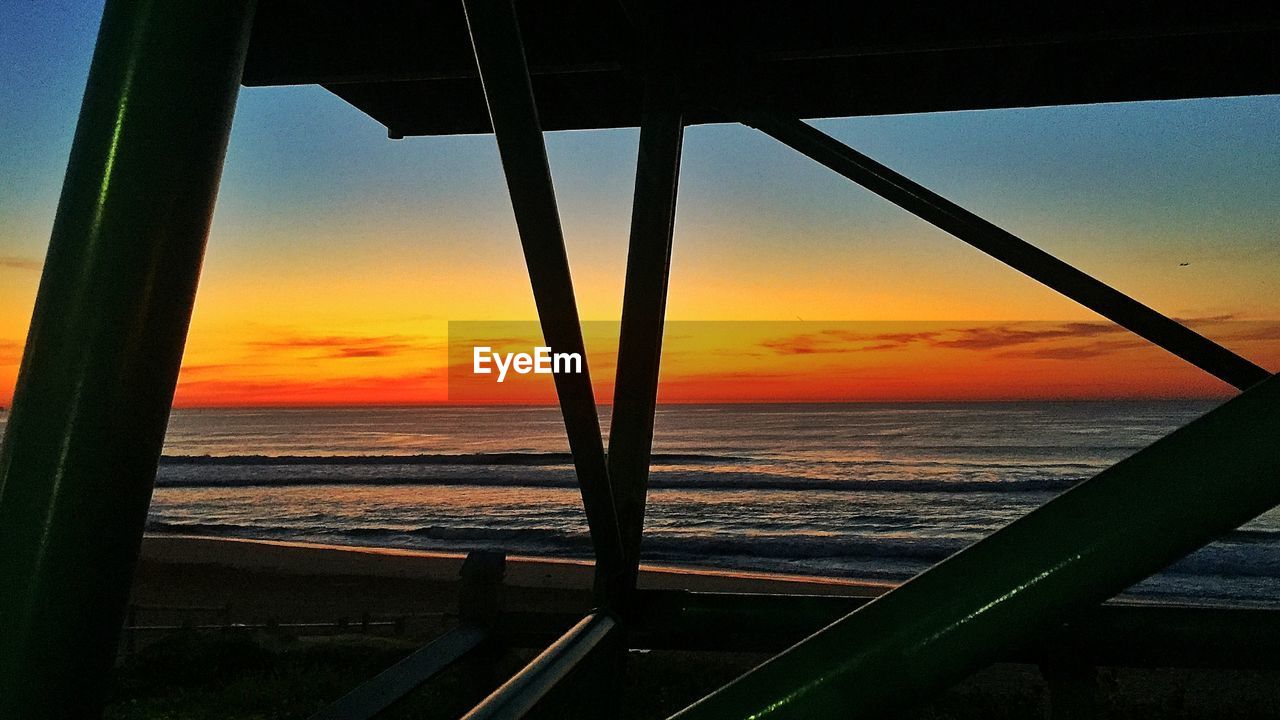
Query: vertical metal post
(504, 73)
(97, 378)
(391, 685)
(644, 306)
(1080, 548)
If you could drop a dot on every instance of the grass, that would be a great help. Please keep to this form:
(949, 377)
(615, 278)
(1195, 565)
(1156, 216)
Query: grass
(265, 676)
(271, 676)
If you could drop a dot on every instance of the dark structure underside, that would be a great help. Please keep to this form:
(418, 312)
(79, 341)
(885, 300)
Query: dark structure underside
(410, 66)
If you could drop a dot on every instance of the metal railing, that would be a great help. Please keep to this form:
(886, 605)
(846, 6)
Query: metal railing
(1116, 634)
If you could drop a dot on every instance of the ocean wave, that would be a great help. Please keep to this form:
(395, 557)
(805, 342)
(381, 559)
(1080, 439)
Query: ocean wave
(1252, 536)
(935, 457)
(790, 546)
(671, 471)
(534, 459)
(880, 556)
(1221, 560)
(678, 481)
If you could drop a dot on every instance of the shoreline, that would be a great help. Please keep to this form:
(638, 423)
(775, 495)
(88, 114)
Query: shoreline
(302, 558)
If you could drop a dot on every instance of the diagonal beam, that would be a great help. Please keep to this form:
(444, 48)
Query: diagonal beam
(1123, 634)
(644, 306)
(521, 693)
(389, 686)
(1011, 250)
(1119, 633)
(1080, 548)
(495, 36)
(79, 457)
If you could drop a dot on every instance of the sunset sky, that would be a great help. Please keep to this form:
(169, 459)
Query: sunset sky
(338, 257)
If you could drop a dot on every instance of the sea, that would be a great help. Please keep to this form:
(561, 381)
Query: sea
(861, 491)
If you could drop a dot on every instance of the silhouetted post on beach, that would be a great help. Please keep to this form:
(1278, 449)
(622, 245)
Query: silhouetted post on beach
(480, 603)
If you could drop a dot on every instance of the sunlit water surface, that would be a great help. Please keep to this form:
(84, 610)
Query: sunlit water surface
(860, 491)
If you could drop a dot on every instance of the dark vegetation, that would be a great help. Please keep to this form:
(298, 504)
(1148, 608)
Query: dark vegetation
(272, 676)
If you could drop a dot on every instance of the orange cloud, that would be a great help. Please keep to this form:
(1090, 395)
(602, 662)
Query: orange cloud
(982, 338)
(1001, 336)
(709, 362)
(1075, 352)
(15, 262)
(342, 346)
(419, 388)
(10, 352)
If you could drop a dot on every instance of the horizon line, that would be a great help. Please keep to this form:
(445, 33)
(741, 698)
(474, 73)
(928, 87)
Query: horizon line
(915, 401)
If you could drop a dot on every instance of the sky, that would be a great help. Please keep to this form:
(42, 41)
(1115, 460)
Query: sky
(338, 257)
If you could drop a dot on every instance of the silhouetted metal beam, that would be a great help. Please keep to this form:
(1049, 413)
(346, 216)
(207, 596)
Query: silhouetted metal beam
(495, 36)
(644, 306)
(1124, 634)
(521, 693)
(389, 686)
(1010, 249)
(1127, 634)
(1080, 548)
(97, 377)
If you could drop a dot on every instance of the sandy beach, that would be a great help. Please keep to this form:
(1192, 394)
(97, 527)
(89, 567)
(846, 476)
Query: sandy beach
(301, 611)
(276, 586)
(184, 579)
(309, 559)
(212, 581)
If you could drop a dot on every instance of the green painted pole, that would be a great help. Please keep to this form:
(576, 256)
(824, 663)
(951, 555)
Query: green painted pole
(97, 377)
(1084, 546)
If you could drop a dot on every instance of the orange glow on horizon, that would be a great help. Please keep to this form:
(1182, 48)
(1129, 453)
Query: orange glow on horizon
(713, 362)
